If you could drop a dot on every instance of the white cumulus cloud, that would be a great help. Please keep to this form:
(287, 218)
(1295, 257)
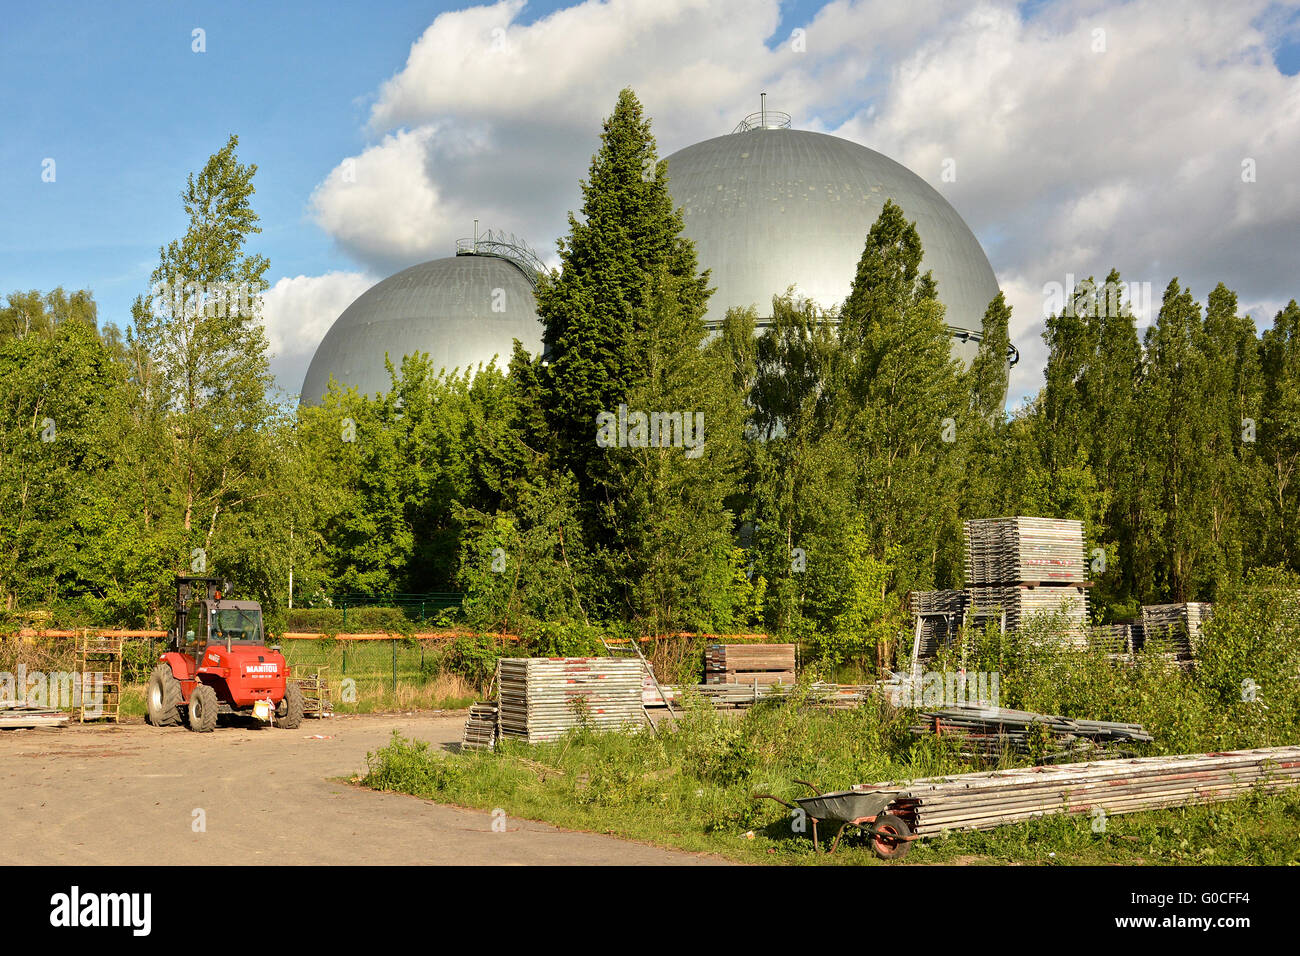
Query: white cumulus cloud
(297, 312)
(1085, 134)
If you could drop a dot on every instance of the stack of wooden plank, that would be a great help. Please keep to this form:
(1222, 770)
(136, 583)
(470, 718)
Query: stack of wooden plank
(1024, 550)
(20, 715)
(981, 801)
(481, 728)
(1175, 628)
(749, 664)
(542, 698)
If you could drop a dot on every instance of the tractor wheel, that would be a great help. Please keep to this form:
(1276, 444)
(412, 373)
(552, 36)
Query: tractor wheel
(163, 699)
(203, 709)
(288, 713)
(889, 837)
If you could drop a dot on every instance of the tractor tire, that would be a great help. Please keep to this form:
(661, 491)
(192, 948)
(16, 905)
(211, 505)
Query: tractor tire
(288, 713)
(203, 709)
(163, 699)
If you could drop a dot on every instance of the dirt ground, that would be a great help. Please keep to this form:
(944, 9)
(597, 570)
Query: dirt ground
(131, 794)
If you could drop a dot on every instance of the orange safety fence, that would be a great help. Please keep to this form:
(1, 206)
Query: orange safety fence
(386, 636)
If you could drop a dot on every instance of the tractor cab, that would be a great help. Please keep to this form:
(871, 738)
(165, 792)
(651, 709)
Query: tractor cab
(221, 622)
(205, 616)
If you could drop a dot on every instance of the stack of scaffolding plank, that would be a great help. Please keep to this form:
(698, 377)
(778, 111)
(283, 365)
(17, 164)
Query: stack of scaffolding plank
(1112, 638)
(981, 801)
(481, 728)
(939, 616)
(1020, 602)
(1175, 627)
(1023, 566)
(749, 664)
(1023, 549)
(20, 715)
(542, 698)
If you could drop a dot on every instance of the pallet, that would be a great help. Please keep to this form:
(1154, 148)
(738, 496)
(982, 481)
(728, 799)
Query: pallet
(749, 664)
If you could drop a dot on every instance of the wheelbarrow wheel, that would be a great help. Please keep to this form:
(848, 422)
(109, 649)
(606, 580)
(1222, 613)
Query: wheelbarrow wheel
(889, 837)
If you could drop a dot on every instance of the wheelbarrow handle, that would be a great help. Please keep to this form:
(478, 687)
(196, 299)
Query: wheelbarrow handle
(815, 790)
(768, 796)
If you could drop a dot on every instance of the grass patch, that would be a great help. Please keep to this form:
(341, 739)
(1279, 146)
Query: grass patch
(691, 788)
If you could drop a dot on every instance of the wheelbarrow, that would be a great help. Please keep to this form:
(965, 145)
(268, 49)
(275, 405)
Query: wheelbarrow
(888, 834)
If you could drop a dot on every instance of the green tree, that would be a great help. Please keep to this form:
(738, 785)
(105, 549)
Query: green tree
(30, 313)
(665, 503)
(903, 400)
(988, 375)
(1176, 494)
(199, 351)
(800, 485)
(595, 306)
(1278, 441)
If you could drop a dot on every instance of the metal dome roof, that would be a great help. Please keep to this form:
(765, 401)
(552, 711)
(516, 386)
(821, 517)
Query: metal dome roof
(774, 207)
(444, 307)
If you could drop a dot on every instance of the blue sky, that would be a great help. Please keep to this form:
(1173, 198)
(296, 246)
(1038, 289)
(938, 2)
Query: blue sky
(115, 96)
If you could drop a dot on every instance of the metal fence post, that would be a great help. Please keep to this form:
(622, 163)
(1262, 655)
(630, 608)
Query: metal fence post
(394, 673)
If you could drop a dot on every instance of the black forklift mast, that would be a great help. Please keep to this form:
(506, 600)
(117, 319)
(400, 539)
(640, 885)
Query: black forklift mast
(186, 587)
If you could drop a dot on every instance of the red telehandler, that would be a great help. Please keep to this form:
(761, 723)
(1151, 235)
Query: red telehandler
(217, 663)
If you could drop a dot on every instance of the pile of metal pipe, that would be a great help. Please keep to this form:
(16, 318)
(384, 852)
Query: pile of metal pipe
(981, 801)
(992, 731)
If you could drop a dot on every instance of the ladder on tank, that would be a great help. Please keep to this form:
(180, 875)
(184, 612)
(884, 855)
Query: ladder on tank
(626, 648)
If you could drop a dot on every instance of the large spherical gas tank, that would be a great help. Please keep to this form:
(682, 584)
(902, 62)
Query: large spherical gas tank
(774, 207)
(462, 311)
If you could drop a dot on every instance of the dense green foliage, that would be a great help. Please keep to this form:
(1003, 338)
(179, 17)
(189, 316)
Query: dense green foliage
(839, 449)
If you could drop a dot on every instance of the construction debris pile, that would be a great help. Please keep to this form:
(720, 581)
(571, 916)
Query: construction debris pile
(981, 801)
(543, 697)
(749, 664)
(993, 731)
